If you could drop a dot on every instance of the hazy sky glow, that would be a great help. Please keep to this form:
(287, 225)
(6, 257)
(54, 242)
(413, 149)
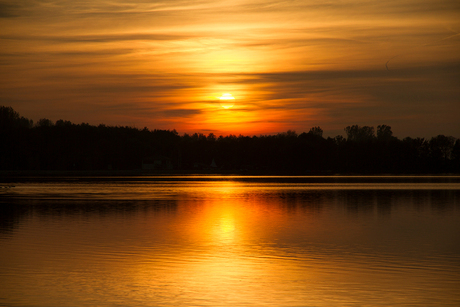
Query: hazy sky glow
(289, 64)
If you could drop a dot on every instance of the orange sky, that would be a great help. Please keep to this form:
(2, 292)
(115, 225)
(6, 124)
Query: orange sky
(289, 64)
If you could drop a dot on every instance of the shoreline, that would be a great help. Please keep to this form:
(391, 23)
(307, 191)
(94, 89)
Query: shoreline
(138, 172)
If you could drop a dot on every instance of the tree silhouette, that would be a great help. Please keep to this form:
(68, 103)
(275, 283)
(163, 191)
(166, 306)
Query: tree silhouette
(384, 133)
(356, 133)
(316, 131)
(71, 147)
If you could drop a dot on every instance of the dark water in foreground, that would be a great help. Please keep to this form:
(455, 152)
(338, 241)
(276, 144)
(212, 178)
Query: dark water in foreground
(231, 241)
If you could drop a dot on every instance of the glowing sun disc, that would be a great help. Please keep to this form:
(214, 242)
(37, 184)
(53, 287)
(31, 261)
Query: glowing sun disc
(227, 101)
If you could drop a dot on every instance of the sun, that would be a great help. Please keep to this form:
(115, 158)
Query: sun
(227, 101)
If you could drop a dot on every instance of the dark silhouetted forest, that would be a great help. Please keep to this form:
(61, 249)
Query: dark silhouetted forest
(65, 146)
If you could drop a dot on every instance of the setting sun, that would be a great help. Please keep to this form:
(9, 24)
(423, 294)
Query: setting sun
(227, 101)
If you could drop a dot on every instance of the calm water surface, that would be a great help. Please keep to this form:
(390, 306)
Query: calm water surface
(230, 241)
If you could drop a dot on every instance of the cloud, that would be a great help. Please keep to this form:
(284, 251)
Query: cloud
(98, 38)
(9, 10)
(181, 113)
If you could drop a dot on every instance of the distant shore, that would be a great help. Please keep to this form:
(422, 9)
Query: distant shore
(139, 172)
(6, 174)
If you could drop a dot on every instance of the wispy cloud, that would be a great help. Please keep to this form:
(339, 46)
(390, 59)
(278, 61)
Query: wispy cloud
(8, 10)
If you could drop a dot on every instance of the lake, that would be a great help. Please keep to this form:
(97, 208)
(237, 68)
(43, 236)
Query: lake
(230, 241)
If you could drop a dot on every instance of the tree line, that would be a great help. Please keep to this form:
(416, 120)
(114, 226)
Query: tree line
(65, 146)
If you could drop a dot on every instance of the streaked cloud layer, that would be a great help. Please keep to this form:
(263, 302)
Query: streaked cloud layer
(290, 64)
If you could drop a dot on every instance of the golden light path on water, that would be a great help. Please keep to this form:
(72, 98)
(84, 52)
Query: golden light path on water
(212, 242)
(228, 258)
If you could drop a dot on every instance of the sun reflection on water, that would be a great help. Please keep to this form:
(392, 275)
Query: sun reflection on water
(234, 243)
(226, 229)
